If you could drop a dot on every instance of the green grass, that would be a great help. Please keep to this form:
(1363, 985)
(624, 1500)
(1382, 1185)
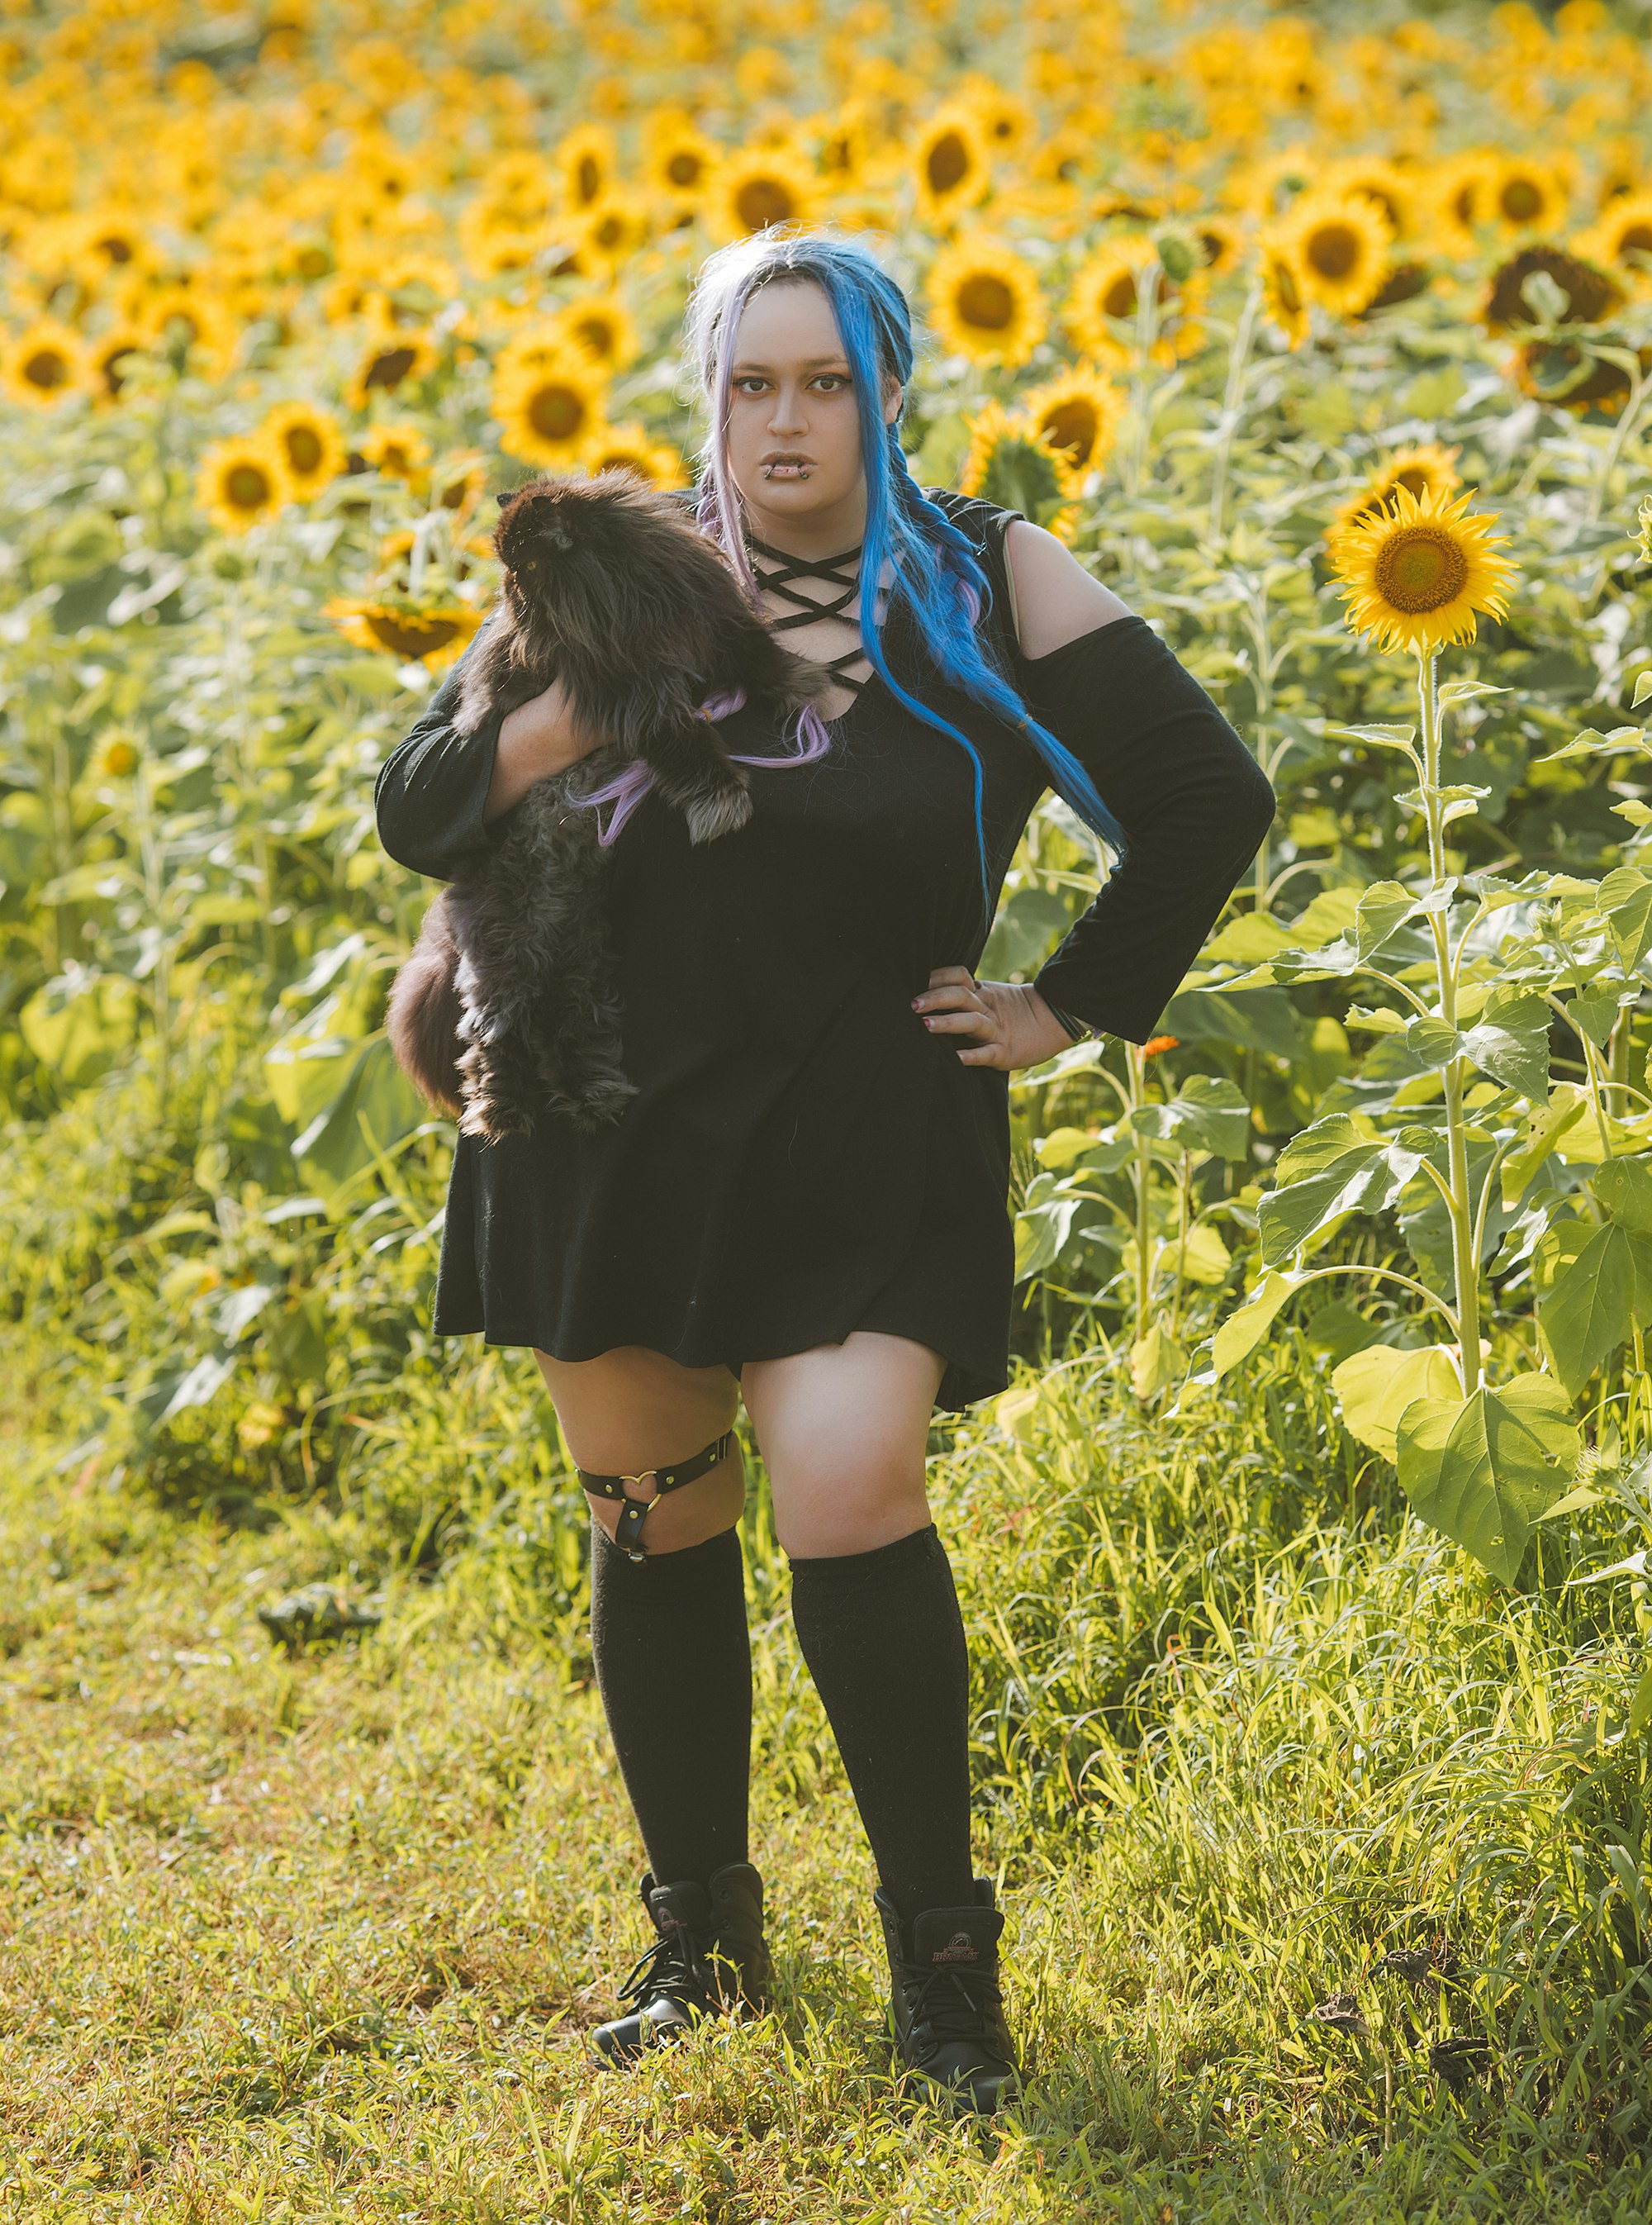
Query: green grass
(319, 1936)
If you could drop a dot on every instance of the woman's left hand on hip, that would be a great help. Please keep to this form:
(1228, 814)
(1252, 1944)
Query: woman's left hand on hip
(1009, 1022)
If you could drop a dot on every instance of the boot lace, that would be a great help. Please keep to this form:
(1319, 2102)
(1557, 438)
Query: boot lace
(948, 2003)
(674, 1968)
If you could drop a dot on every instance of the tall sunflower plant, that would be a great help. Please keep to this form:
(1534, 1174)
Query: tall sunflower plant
(1457, 1120)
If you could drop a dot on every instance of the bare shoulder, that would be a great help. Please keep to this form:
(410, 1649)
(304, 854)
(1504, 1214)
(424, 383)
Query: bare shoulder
(1054, 598)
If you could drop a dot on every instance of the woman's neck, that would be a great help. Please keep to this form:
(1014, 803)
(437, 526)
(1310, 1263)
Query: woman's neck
(810, 536)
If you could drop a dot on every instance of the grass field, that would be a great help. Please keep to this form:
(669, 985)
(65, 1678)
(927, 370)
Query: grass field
(1306, 1830)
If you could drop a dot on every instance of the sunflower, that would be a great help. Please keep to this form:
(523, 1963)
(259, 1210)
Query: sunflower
(1620, 240)
(459, 480)
(627, 449)
(1284, 290)
(1077, 416)
(1404, 283)
(179, 317)
(240, 483)
(1525, 196)
(951, 164)
(109, 358)
(612, 231)
(520, 188)
(397, 450)
(1421, 467)
(311, 446)
(985, 302)
(1461, 188)
(1010, 464)
(1568, 376)
(587, 167)
(117, 757)
(392, 359)
(1589, 292)
(434, 635)
(598, 326)
(1220, 242)
(1414, 575)
(1103, 297)
(679, 162)
(759, 187)
(44, 364)
(551, 412)
(1340, 243)
(1396, 192)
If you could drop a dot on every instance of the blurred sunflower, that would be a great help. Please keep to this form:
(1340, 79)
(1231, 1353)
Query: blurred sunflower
(1589, 292)
(1397, 191)
(586, 166)
(985, 302)
(1461, 189)
(1620, 240)
(116, 756)
(448, 559)
(391, 361)
(417, 286)
(678, 162)
(760, 187)
(598, 326)
(519, 188)
(175, 317)
(398, 450)
(240, 483)
(435, 635)
(44, 364)
(1525, 196)
(1103, 298)
(550, 411)
(109, 356)
(1339, 244)
(1006, 123)
(311, 446)
(1570, 375)
(109, 241)
(1424, 467)
(1077, 416)
(612, 231)
(952, 165)
(1220, 242)
(1010, 464)
(1414, 576)
(1284, 290)
(629, 448)
(459, 480)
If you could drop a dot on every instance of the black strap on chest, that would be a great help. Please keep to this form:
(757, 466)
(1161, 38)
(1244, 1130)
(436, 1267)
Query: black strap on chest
(795, 567)
(628, 1534)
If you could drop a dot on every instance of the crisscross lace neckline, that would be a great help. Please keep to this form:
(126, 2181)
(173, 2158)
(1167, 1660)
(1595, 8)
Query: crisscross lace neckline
(830, 568)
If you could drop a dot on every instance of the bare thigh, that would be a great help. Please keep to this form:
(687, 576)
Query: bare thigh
(634, 1408)
(843, 1431)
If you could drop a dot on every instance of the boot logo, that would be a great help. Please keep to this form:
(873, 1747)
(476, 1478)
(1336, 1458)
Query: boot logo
(960, 1948)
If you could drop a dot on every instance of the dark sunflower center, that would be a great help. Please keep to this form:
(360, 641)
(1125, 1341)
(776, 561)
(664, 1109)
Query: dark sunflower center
(247, 487)
(1333, 250)
(948, 164)
(46, 368)
(409, 636)
(1290, 298)
(1070, 425)
(588, 179)
(303, 449)
(1119, 299)
(1521, 201)
(390, 368)
(556, 413)
(684, 169)
(985, 303)
(1421, 568)
(762, 202)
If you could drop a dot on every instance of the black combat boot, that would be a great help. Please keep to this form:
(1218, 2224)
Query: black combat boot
(949, 2027)
(709, 1959)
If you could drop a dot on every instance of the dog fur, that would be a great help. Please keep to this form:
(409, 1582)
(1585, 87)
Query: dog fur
(506, 1007)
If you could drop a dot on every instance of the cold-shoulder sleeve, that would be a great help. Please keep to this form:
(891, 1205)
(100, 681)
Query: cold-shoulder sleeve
(431, 790)
(1194, 803)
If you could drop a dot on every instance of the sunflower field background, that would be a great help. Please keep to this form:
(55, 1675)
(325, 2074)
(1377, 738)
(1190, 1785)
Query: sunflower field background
(1312, 1676)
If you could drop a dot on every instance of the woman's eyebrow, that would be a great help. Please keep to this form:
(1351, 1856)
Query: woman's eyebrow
(815, 362)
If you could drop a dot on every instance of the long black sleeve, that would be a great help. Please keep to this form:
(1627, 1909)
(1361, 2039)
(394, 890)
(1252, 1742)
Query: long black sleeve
(431, 790)
(1194, 803)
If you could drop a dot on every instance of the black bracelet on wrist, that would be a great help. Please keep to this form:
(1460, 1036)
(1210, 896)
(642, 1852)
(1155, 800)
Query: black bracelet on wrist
(1080, 1030)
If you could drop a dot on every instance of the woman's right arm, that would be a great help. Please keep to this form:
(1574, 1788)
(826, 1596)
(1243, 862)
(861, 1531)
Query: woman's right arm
(443, 798)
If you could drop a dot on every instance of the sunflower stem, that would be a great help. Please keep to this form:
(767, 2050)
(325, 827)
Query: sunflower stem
(1227, 424)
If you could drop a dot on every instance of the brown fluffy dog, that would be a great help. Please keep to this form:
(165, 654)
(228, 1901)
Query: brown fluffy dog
(506, 1007)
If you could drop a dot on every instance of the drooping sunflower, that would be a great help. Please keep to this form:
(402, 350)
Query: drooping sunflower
(1010, 463)
(587, 165)
(240, 483)
(985, 302)
(627, 449)
(757, 188)
(397, 449)
(1284, 290)
(393, 360)
(1589, 292)
(551, 411)
(45, 365)
(1404, 283)
(434, 635)
(1100, 308)
(312, 448)
(1077, 416)
(1620, 240)
(1572, 377)
(1414, 576)
(951, 164)
(1340, 244)
(1424, 466)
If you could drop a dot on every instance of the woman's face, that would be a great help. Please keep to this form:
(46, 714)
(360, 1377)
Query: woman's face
(791, 396)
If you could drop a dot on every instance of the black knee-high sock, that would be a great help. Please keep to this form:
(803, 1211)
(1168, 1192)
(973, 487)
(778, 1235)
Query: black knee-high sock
(672, 1658)
(884, 1642)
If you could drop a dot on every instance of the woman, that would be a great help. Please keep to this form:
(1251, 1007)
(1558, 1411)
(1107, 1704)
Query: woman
(805, 1204)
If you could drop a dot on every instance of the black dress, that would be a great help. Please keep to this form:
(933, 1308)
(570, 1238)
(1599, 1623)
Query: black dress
(804, 1157)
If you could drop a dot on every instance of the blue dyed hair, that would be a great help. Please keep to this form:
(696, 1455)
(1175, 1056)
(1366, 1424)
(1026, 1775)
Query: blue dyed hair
(936, 571)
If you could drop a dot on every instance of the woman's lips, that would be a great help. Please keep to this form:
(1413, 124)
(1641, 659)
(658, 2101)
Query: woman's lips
(786, 471)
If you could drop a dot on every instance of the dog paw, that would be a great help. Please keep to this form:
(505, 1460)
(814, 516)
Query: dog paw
(722, 812)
